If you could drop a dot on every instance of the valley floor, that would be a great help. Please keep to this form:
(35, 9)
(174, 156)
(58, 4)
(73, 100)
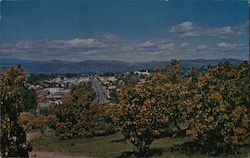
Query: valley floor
(48, 145)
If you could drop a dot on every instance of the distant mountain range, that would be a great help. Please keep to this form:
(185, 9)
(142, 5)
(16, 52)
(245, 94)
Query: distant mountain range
(100, 66)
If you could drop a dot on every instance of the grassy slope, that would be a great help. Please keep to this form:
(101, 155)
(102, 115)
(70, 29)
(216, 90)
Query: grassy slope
(112, 146)
(98, 146)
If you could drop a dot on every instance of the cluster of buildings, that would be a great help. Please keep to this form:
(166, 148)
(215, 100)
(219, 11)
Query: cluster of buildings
(48, 96)
(52, 91)
(64, 82)
(110, 83)
(142, 73)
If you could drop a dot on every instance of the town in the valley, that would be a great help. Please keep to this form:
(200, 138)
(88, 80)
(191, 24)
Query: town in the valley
(52, 90)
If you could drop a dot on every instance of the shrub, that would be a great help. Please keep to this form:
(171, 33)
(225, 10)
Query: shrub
(151, 110)
(41, 122)
(218, 118)
(211, 107)
(79, 116)
(13, 136)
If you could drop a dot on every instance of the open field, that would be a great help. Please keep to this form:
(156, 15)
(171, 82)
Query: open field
(113, 146)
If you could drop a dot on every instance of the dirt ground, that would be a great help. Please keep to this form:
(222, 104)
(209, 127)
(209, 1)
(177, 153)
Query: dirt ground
(32, 135)
(46, 154)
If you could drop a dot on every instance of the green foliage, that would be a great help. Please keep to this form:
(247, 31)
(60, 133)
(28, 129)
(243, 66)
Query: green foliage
(137, 117)
(37, 122)
(39, 78)
(13, 137)
(79, 116)
(130, 80)
(212, 107)
(29, 99)
(113, 96)
(148, 111)
(113, 146)
(218, 118)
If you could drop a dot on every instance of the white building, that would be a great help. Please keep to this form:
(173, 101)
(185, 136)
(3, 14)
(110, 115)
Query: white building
(54, 90)
(84, 79)
(108, 79)
(139, 73)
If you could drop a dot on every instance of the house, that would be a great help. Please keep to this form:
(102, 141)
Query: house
(141, 73)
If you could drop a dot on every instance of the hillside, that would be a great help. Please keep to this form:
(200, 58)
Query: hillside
(99, 66)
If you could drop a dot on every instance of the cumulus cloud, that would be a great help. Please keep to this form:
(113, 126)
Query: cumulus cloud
(72, 49)
(227, 30)
(89, 42)
(201, 47)
(184, 45)
(231, 46)
(223, 45)
(110, 47)
(168, 46)
(182, 27)
(110, 38)
(188, 29)
(147, 44)
(189, 34)
(223, 31)
(156, 45)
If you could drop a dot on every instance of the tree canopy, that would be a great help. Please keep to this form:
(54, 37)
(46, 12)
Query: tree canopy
(13, 136)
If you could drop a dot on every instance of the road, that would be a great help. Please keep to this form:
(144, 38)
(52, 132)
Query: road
(101, 95)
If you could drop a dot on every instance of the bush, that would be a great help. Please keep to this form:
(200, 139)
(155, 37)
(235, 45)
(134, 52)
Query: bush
(151, 110)
(41, 122)
(218, 118)
(13, 136)
(79, 116)
(211, 107)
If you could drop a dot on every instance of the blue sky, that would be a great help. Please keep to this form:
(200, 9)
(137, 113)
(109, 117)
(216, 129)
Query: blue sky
(129, 30)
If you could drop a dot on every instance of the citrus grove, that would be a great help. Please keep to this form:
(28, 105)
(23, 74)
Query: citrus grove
(211, 107)
(13, 136)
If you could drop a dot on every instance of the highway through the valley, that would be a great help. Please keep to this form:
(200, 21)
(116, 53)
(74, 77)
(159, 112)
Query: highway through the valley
(101, 95)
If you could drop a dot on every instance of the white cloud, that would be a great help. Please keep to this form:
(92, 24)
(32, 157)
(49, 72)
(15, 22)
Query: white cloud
(168, 46)
(89, 42)
(227, 30)
(155, 45)
(110, 37)
(189, 34)
(184, 45)
(223, 45)
(188, 29)
(149, 43)
(231, 46)
(201, 47)
(182, 27)
(247, 23)
(111, 47)
(223, 31)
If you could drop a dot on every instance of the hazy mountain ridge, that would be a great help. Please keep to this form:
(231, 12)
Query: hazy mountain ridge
(100, 66)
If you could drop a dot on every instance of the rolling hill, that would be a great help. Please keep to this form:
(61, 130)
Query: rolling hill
(100, 66)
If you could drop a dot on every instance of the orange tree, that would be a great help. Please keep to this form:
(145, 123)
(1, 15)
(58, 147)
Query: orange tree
(79, 116)
(217, 107)
(40, 122)
(13, 137)
(151, 110)
(97, 120)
